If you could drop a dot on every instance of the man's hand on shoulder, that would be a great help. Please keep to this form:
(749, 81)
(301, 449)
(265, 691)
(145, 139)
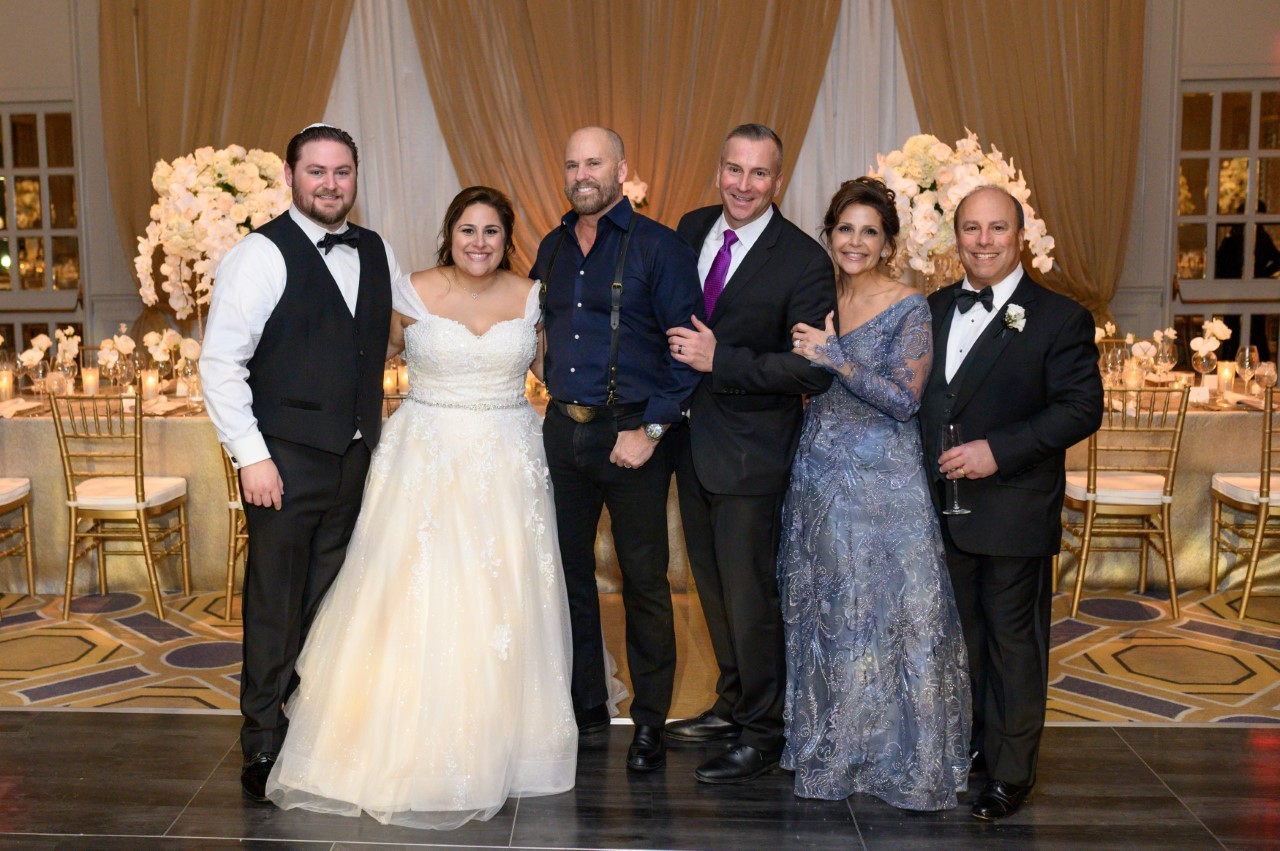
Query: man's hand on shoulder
(632, 449)
(261, 485)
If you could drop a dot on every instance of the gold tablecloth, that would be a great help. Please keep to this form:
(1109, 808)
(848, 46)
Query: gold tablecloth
(187, 447)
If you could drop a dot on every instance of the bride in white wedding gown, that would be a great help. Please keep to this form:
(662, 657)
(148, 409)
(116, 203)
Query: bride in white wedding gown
(435, 680)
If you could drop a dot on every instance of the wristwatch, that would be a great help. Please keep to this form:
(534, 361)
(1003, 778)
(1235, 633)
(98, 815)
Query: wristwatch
(655, 431)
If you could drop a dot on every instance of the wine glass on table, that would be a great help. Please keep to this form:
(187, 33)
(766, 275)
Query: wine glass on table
(1247, 364)
(1266, 374)
(951, 438)
(1166, 358)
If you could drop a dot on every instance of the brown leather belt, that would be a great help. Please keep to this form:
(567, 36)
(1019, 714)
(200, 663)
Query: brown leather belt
(587, 413)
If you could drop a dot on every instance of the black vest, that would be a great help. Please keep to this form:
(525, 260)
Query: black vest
(316, 374)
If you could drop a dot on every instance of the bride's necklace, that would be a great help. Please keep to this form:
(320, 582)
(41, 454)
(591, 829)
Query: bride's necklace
(475, 294)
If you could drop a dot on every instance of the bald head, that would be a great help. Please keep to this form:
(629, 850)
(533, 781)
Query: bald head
(1016, 212)
(599, 136)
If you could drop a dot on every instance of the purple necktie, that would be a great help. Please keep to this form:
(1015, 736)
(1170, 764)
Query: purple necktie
(719, 272)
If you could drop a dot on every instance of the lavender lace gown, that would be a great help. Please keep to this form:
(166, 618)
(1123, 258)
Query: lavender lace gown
(877, 694)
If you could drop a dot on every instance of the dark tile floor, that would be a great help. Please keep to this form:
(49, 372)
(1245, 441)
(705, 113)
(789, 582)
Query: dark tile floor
(73, 780)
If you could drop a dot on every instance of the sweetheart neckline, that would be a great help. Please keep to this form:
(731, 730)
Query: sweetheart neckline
(465, 327)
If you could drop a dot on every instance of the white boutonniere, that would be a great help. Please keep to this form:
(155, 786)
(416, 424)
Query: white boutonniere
(1015, 317)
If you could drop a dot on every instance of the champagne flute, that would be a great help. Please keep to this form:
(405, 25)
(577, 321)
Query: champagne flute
(1247, 364)
(951, 438)
(1166, 358)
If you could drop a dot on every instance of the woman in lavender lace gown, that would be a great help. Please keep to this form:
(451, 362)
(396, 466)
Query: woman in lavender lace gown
(877, 695)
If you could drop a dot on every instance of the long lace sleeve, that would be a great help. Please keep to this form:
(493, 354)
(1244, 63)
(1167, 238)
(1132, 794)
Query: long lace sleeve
(895, 385)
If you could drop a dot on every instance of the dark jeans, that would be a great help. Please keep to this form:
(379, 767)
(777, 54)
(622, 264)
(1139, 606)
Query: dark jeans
(294, 556)
(584, 480)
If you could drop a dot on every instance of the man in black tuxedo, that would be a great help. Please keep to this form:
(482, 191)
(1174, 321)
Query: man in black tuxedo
(760, 275)
(292, 366)
(1016, 367)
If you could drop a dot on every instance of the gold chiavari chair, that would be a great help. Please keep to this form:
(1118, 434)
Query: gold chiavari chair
(1127, 490)
(15, 499)
(1252, 497)
(238, 528)
(109, 498)
(391, 403)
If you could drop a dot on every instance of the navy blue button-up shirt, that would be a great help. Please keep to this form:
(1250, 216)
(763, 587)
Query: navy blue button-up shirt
(660, 290)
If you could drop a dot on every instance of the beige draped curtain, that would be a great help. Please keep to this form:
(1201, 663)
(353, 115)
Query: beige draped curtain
(1056, 84)
(512, 78)
(182, 74)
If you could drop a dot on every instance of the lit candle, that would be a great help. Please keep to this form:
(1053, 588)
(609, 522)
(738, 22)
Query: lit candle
(1226, 376)
(150, 384)
(89, 378)
(6, 384)
(402, 375)
(389, 381)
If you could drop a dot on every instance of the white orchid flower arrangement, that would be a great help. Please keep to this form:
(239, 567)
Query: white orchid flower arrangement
(68, 344)
(208, 201)
(162, 345)
(1108, 329)
(930, 178)
(1213, 332)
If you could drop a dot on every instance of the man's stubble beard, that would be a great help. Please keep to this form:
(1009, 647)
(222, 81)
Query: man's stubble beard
(307, 204)
(607, 194)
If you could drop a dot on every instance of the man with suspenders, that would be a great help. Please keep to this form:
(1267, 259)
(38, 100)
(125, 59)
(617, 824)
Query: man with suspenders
(613, 283)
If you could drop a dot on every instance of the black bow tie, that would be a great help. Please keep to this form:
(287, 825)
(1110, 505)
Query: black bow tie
(966, 299)
(350, 237)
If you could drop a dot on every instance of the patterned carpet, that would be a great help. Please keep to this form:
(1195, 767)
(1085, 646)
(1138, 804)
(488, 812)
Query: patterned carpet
(1121, 660)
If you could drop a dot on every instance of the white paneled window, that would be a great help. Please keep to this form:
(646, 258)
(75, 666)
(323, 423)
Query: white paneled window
(40, 261)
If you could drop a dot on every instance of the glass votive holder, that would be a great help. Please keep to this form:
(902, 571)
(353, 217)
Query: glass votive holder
(90, 378)
(6, 384)
(1134, 375)
(390, 381)
(402, 377)
(56, 383)
(150, 384)
(1226, 376)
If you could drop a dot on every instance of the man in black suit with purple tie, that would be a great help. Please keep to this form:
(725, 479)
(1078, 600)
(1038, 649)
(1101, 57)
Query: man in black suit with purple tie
(761, 275)
(1015, 366)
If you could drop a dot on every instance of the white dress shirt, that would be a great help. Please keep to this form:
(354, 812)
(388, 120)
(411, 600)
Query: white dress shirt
(967, 328)
(747, 236)
(249, 284)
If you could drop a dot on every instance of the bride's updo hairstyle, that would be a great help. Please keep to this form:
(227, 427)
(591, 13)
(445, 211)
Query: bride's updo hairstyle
(869, 192)
(490, 197)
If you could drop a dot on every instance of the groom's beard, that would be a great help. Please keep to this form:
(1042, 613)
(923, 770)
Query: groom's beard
(328, 215)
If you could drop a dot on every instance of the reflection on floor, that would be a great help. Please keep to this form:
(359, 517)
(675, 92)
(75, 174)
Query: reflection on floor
(93, 780)
(1121, 660)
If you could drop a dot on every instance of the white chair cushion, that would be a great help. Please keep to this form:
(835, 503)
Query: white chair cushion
(1244, 486)
(116, 492)
(1118, 488)
(11, 489)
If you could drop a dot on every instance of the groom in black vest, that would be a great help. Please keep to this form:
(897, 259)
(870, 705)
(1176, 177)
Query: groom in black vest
(1016, 367)
(292, 364)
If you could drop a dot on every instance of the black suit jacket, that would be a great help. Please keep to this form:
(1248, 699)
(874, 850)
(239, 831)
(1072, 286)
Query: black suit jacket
(745, 414)
(1031, 394)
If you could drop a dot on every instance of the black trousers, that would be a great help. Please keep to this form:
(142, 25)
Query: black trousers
(733, 552)
(584, 480)
(1005, 611)
(294, 556)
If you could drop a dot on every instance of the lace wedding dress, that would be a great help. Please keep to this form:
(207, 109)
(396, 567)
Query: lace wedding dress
(435, 681)
(877, 694)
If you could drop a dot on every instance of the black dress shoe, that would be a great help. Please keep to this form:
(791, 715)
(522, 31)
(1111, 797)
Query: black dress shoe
(592, 720)
(977, 763)
(737, 765)
(999, 799)
(707, 727)
(253, 777)
(648, 752)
